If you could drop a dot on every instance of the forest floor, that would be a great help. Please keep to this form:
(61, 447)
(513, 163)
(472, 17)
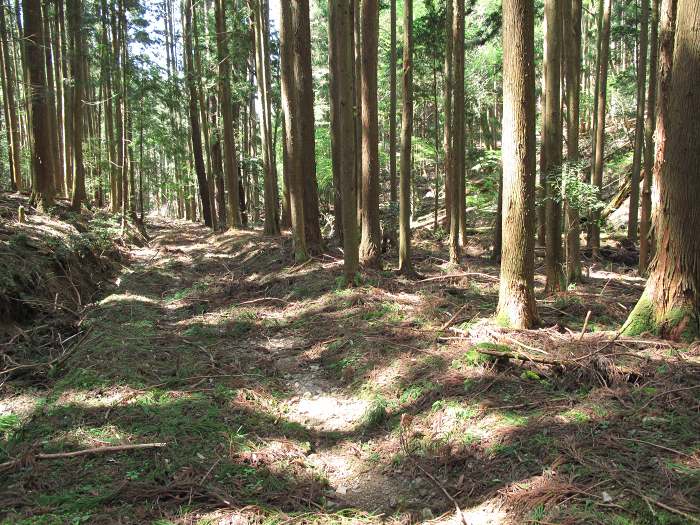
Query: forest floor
(281, 397)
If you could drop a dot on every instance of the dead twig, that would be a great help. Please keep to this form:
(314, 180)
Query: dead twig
(585, 325)
(96, 450)
(452, 319)
(456, 275)
(261, 299)
(668, 449)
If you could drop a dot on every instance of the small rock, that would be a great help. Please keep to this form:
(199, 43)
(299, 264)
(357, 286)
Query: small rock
(427, 514)
(307, 395)
(342, 489)
(607, 498)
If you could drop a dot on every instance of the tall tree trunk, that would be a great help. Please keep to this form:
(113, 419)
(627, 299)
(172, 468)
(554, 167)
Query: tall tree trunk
(633, 222)
(42, 166)
(552, 143)
(230, 156)
(357, 85)
(333, 53)
(447, 104)
(392, 104)
(405, 263)
(457, 150)
(516, 298)
(670, 304)
(53, 129)
(117, 82)
(370, 247)
(262, 36)
(304, 82)
(649, 127)
(293, 174)
(572, 49)
(342, 35)
(10, 105)
(601, 96)
(75, 17)
(59, 74)
(196, 132)
(217, 172)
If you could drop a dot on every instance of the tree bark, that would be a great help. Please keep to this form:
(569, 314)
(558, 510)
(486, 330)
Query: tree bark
(447, 103)
(552, 144)
(649, 127)
(405, 263)
(304, 82)
(291, 106)
(633, 221)
(457, 150)
(195, 129)
(75, 9)
(572, 45)
(516, 302)
(261, 24)
(230, 156)
(42, 168)
(370, 246)
(601, 95)
(12, 123)
(333, 53)
(343, 34)
(392, 105)
(670, 304)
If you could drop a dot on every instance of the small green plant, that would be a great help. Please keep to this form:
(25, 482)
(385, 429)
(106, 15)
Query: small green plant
(8, 424)
(530, 375)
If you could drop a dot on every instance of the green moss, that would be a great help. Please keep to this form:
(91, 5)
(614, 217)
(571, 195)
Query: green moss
(680, 322)
(641, 320)
(502, 320)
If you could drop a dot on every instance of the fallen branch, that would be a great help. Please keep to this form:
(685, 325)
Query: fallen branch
(261, 299)
(523, 357)
(585, 325)
(452, 319)
(456, 275)
(76, 453)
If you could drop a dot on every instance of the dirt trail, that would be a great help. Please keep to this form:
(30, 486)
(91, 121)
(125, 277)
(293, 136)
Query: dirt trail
(285, 397)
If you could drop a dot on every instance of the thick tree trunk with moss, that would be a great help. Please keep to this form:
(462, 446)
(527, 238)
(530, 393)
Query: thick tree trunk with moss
(405, 263)
(516, 298)
(670, 305)
(370, 245)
